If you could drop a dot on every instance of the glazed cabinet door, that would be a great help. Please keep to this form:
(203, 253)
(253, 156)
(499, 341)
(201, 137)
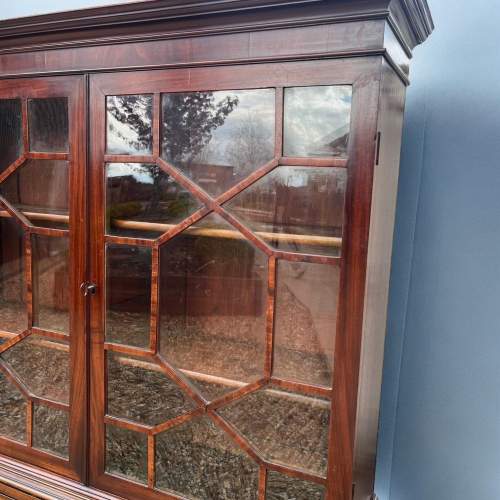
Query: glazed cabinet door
(42, 263)
(224, 202)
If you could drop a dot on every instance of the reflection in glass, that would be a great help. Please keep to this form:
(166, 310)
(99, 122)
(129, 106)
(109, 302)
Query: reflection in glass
(146, 194)
(51, 430)
(305, 322)
(51, 291)
(40, 188)
(213, 287)
(199, 460)
(42, 365)
(48, 124)
(317, 121)
(288, 428)
(13, 312)
(138, 390)
(281, 487)
(128, 295)
(218, 138)
(12, 411)
(296, 209)
(129, 124)
(126, 454)
(11, 132)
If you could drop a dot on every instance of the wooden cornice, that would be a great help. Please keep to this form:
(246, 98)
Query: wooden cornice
(156, 19)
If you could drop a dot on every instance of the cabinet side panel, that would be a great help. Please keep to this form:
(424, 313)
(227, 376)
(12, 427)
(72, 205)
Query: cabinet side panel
(390, 124)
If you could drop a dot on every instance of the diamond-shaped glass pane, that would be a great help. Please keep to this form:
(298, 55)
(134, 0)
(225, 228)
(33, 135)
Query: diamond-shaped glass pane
(138, 390)
(42, 365)
(126, 454)
(12, 411)
(11, 132)
(48, 124)
(281, 487)
(40, 189)
(288, 428)
(129, 124)
(213, 286)
(51, 430)
(296, 209)
(199, 461)
(317, 120)
(13, 312)
(218, 138)
(143, 201)
(128, 295)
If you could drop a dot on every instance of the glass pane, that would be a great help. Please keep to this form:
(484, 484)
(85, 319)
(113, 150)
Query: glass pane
(11, 132)
(13, 312)
(305, 322)
(198, 460)
(281, 487)
(51, 430)
(42, 365)
(40, 189)
(317, 121)
(128, 295)
(218, 138)
(296, 209)
(213, 287)
(48, 124)
(143, 201)
(126, 454)
(288, 428)
(129, 124)
(138, 390)
(51, 292)
(12, 411)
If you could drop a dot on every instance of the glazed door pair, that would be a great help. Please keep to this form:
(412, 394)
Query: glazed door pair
(221, 359)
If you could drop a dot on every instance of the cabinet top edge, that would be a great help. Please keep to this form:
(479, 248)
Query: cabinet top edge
(125, 22)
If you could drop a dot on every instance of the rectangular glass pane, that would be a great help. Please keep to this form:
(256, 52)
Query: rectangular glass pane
(296, 209)
(128, 295)
(13, 312)
(51, 430)
(143, 201)
(48, 125)
(281, 487)
(317, 121)
(51, 291)
(126, 454)
(218, 138)
(12, 411)
(305, 322)
(11, 132)
(129, 124)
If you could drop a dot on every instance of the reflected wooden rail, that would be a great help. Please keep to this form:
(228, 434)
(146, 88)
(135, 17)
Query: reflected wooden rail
(301, 239)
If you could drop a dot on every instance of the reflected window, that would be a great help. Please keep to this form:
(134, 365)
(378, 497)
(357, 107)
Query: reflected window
(218, 138)
(129, 120)
(317, 121)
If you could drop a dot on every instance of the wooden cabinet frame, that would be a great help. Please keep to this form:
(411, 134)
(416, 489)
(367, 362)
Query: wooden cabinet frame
(170, 46)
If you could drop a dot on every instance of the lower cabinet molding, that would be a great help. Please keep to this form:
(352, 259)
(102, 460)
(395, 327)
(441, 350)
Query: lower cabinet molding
(24, 481)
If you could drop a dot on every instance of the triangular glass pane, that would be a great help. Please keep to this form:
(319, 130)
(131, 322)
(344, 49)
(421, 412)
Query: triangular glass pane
(143, 201)
(296, 209)
(218, 138)
(213, 289)
(286, 427)
(198, 460)
(39, 188)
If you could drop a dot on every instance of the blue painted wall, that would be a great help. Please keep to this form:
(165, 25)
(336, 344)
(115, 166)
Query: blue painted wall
(440, 422)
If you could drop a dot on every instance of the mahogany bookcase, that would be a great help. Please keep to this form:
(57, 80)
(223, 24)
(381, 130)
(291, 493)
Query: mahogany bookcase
(196, 213)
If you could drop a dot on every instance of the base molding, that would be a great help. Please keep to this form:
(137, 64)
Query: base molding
(21, 481)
